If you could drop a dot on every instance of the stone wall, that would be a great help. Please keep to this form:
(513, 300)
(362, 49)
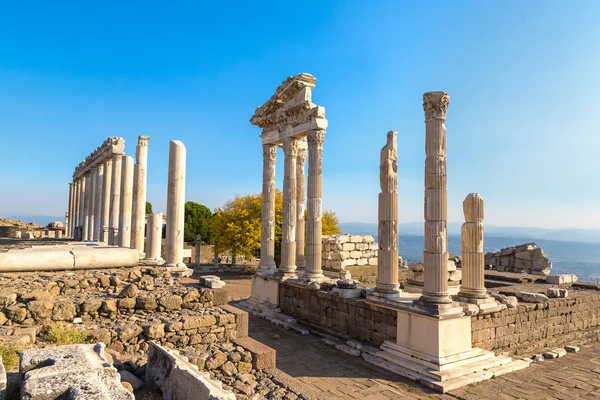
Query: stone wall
(351, 317)
(341, 251)
(526, 258)
(534, 326)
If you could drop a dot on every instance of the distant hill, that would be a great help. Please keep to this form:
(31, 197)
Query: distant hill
(42, 220)
(416, 228)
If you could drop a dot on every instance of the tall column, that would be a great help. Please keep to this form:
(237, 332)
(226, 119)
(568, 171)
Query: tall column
(106, 200)
(387, 262)
(472, 248)
(87, 188)
(92, 203)
(69, 216)
(75, 218)
(287, 269)
(126, 202)
(267, 239)
(98, 200)
(300, 196)
(175, 205)
(115, 200)
(81, 212)
(435, 257)
(154, 237)
(314, 225)
(139, 194)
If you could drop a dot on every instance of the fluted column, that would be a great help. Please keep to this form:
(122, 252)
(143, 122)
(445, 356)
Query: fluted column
(86, 206)
(267, 238)
(81, 207)
(175, 205)
(106, 200)
(69, 216)
(472, 249)
(314, 225)
(115, 200)
(139, 195)
(435, 257)
(300, 197)
(387, 262)
(75, 219)
(154, 235)
(287, 269)
(126, 202)
(92, 203)
(98, 202)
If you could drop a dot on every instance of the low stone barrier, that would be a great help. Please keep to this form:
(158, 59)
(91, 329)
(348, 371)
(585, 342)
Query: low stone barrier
(341, 251)
(180, 380)
(525, 258)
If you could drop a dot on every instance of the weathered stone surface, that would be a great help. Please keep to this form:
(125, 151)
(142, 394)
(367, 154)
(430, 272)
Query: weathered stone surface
(130, 378)
(130, 290)
(16, 314)
(171, 302)
(126, 303)
(146, 303)
(40, 309)
(532, 297)
(525, 258)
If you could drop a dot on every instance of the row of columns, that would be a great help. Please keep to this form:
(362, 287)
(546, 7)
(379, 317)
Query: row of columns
(295, 262)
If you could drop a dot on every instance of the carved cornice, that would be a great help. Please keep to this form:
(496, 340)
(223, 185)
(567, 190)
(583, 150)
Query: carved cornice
(284, 94)
(435, 105)
(110, 147)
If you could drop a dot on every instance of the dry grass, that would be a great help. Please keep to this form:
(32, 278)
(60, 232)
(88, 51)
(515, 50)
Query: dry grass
(63, 334)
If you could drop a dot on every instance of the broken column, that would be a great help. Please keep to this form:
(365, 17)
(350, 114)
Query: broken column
(175, 205)
(287, 269)
(314, 224)
(126, 202)
(106, 200)
(300, 194)
(387, 265)
(98, 202)
(435, 258)
(154, 235)
(267, 239)
(115, 200)
(139, 194)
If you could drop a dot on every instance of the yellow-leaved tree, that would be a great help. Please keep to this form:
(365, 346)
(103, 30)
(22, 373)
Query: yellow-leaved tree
(331, 224)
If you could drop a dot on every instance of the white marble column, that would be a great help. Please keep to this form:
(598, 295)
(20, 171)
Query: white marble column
(139, 195)
(287, 269)
(115, 200)
(87, 190)
(472, 249)
(175, 205)
(126, 202)
(106, 200)
(92, 203)
(80, 207)
(314, 225)
(387, 257)
(75, 219)
(154, 236)
(435, 257)
(300, 197)
(69, 216)
(98, 203)
(267, 242)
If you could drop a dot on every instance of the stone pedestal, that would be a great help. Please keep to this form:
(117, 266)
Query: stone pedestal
(154, 235)
(314, 224)
(287, 269)
(126, 202)
(175, 205)
(139, 195)
(265, 290)
(115, 201)
(267, 240)
(106, 200)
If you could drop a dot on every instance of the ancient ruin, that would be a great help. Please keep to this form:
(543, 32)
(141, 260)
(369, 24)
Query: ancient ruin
(524, 258)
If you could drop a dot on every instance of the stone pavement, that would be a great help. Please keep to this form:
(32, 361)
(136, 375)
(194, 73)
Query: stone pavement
(340, 376)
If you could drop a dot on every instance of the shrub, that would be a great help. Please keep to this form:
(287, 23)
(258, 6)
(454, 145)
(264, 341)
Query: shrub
(62, 334)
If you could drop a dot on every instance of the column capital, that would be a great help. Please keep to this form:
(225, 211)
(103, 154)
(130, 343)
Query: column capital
(435, 105)
(290, 146)
(269, 151)
(301, 161)
(143, 140)
(315, 138)
(71, 183)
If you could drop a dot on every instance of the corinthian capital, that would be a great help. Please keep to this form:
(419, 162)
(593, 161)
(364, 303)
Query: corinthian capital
(301, 157)
(143, 140)
(316, 138)
(290, 147)
(435, 105)
(269, 152)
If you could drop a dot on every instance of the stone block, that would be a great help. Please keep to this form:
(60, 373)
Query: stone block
(241, 320)
(561, 279)
(362, 261)
(348, 246)
(372, 261)
(356, 239)
(263, 357)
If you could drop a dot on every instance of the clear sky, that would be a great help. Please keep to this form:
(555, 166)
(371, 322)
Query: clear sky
(523, 79)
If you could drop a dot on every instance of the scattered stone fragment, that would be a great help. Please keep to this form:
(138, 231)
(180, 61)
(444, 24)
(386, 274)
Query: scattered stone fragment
(550, 355)
(572, 349)
(537, 357)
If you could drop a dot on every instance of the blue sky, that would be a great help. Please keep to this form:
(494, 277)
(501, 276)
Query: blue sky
(522, 77)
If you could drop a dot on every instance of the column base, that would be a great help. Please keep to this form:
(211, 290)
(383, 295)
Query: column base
(179, 270)
(265, 290)
(486, 305)
(153, 261)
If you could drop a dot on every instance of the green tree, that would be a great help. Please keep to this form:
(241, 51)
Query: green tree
(148, 207)
(197, 220)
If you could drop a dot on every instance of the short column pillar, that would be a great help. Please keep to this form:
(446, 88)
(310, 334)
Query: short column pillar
(139, 195)
(198, 248)
(267, 238)
(314, 225)
(115, 200)
(387, 232)
(175, 205)
(154, 237)
(300, 197)
(106, 200)
(98, 202)
(287, 269)
(126, 202)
